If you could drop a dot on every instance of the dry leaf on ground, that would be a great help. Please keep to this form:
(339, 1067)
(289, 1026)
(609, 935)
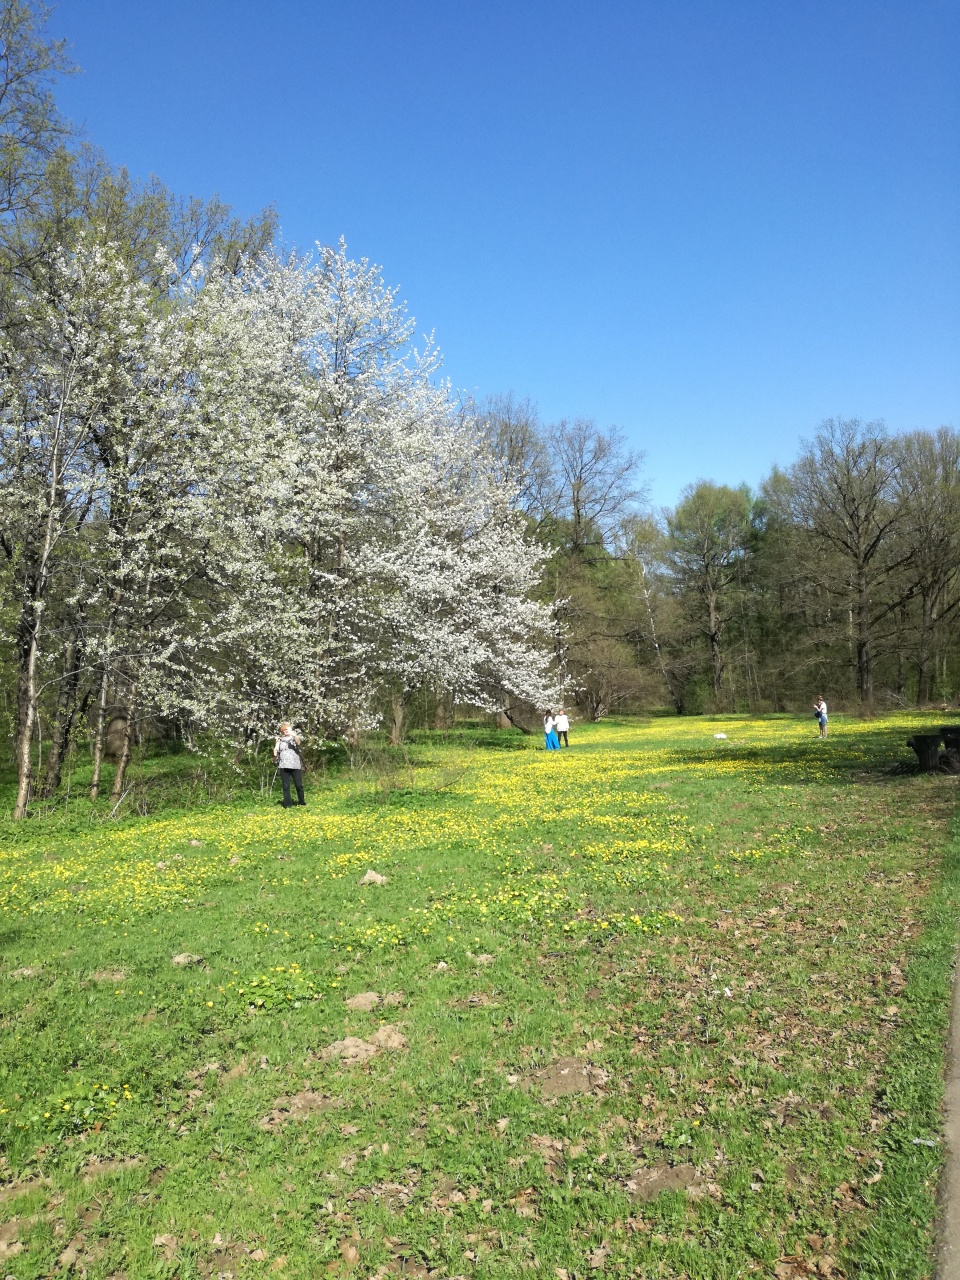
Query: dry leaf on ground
(167, 1243)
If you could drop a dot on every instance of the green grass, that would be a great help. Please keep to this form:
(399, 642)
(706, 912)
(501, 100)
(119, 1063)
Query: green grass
(744, 942)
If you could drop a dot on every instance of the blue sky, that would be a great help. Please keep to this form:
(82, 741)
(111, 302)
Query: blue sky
(712, 224)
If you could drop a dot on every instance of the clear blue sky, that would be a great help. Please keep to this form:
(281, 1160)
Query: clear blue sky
(711, 223)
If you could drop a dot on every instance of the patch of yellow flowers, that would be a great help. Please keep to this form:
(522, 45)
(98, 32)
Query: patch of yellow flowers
(620, 831)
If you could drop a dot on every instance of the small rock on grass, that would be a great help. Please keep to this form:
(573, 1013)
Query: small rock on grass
(372, 877)
(185, 958)
(27, 972)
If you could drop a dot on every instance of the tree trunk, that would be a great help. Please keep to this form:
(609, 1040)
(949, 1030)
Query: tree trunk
(98, 740)
(66, 713)
(864, 648)
(443, 711)
(716, 653)
(923, 653)
(31, 618)
(655, 641)
(124, 760)
(515, 722)
(398, 707)
(27, 706)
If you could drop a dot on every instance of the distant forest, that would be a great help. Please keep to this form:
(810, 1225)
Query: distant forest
(840, 576)
(233, 491)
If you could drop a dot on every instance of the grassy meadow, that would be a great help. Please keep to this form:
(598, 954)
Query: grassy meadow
(664, 1004)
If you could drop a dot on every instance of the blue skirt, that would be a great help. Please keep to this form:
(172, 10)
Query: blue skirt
(551, 741)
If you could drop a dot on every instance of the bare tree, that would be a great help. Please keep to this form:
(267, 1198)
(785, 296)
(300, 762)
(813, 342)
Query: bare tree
(928, 493)
(844, 496)
(515, 440)
(597, 475)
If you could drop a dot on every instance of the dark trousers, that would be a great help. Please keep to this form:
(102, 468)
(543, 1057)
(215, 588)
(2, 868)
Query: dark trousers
(285, 776)
(562, 735)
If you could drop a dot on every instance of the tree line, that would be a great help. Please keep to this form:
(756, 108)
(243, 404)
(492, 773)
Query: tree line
(840, 575)
(234, 489)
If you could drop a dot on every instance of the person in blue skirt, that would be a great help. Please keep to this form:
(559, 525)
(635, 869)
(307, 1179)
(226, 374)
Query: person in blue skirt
(551, 741)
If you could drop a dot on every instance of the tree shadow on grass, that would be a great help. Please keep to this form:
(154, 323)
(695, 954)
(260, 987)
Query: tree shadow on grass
(880, 756)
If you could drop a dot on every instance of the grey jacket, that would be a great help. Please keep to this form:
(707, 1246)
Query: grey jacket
(288, 752)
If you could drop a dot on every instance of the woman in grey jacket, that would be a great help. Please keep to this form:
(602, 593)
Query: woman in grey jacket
(286, 753)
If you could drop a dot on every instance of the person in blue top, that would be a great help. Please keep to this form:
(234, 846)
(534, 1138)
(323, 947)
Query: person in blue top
(551, 740)
(820, 711)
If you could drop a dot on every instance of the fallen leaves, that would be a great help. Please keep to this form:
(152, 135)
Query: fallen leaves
(597, 1258)
(168, 1244)
(792, 1267)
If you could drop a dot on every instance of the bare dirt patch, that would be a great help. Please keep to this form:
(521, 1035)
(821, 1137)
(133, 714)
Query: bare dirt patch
(296, 1108)
(10, 1244)
(647, 1183)
(479, 1000)
(13, 1190)
(367, 1001)
(108, 975)
(567, 1076)
(97, 1168)
(364, 1002)
(353, 1050)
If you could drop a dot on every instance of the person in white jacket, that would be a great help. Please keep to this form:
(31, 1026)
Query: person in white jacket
(287, 757)
(562, 726)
